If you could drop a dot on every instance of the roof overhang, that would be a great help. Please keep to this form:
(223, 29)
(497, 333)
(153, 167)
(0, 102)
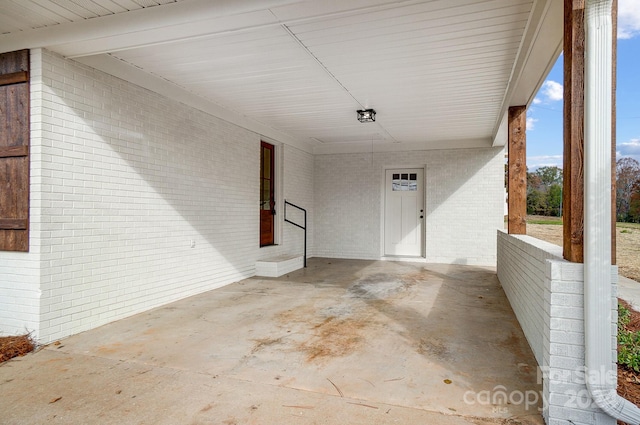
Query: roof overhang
(441, 74)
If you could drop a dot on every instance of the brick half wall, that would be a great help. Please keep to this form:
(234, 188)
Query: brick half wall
(546, 294)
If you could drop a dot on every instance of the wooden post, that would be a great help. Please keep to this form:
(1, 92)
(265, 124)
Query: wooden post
(614, 52)
(517, 170)
(573, 190)
(573, 180)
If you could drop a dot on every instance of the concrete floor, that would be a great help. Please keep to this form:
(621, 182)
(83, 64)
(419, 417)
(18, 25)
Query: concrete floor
(344, 341)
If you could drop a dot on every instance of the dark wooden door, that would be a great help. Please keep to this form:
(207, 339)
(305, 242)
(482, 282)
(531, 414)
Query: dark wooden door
(267, 194)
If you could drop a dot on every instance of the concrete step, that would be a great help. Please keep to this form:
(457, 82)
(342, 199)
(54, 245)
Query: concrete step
(278, 266)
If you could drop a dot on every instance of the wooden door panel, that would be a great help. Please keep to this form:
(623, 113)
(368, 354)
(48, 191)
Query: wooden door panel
(267, 194)
(266, 228)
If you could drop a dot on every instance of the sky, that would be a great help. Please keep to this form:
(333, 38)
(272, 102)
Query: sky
(544, 116)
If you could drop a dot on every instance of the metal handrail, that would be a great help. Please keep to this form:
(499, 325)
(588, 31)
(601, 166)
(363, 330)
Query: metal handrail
(297, 225)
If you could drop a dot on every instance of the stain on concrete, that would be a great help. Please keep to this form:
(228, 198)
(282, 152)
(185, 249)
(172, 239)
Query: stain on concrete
(207, 408)
(435, 347)
(379, 286)
(264, 342)
(339, 330)
(300, 314)
(513, 343)
(333, 338)
(499, 421)
(57, 360)
(417, 277)
(339, 311)
(110, 349)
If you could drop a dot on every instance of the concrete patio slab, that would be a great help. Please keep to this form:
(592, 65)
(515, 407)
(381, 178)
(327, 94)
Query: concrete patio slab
(342, 341)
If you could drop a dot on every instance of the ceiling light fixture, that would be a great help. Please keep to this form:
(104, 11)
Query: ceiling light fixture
(366, 115)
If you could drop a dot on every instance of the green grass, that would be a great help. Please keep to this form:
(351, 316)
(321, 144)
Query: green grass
(557, 221)
(621, 225)
(628, 341)
(551, 220)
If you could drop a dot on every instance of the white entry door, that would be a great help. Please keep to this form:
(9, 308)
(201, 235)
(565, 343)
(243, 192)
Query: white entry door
(404, 212)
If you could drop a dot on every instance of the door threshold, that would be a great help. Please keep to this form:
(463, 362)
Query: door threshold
(403, 258)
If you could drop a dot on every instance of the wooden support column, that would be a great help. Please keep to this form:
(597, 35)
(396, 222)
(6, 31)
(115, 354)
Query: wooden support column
(573, 167)
(517, 170)
(573, 190)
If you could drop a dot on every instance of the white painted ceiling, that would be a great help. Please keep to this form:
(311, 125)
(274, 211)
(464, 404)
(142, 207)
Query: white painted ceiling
(439, 73)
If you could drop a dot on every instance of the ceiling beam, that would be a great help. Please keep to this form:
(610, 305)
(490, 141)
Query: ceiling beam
(175, 22)
(114, 32)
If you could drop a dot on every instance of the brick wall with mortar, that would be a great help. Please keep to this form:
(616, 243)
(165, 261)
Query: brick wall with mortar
(20, 271)
(522, 268)
(546, 294)
(123, 180)
(464, 203)
(297, 188)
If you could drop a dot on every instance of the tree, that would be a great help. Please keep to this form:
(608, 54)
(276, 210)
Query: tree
(627, 181)
(544, 191)
(634, 206)
(550, 175)
(536, 202)
(554, 199)
(535, 197)
(533, 182)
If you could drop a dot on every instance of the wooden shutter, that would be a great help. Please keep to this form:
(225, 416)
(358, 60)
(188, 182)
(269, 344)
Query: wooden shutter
(14, 151)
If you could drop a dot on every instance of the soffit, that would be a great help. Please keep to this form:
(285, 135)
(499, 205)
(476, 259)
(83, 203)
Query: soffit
(437, 72)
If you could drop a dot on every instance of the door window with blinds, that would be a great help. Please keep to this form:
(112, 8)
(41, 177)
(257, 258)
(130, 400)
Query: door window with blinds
(404, 182)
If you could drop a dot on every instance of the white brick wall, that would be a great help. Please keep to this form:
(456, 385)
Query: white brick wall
(464, 203)
(546, 294)
(347, 206)
(521, 269)
(123, 180)
(20, 271)
(19, 293)
(298, 189)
